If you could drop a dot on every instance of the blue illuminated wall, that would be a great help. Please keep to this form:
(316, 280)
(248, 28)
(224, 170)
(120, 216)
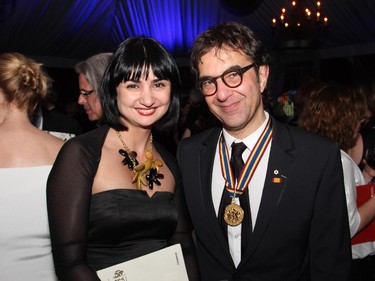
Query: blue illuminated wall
(174, 23)
(78, 29)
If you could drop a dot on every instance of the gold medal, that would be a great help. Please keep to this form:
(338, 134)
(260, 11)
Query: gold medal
(237, 184)
(233, 214)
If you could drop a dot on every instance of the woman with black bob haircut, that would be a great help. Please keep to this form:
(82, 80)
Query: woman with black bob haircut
(115, 194)
(140, 54)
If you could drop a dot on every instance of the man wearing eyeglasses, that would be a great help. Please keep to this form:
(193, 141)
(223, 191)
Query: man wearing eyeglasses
(90, 76)
(267, 200)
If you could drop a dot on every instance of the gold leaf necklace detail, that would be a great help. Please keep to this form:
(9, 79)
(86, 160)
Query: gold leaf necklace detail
(146, 173)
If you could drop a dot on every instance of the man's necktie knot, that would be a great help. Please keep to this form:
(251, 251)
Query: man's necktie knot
(236, 158)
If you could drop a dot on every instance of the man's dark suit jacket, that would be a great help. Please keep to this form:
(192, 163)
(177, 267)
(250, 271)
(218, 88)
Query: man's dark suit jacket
(302, 229)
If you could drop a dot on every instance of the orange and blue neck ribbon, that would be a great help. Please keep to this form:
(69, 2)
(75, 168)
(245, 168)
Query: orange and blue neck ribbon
(237, 188)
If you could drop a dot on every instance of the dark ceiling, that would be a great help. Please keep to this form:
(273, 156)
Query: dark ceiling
(61, 32)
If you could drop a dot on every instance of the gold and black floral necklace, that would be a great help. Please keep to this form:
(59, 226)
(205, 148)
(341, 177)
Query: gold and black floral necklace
(146, 173)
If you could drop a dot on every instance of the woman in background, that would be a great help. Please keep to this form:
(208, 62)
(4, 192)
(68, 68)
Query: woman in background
(26, 158)
(114, 194)
(336, 112)
(366, 138)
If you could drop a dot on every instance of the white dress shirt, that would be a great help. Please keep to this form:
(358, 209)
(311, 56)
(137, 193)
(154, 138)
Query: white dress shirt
(255, 186)
(353, 177)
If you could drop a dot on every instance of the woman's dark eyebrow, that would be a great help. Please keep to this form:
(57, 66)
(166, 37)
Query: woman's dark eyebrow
(153, 80)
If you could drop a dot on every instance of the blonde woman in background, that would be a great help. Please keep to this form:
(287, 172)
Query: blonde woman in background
(26, 158)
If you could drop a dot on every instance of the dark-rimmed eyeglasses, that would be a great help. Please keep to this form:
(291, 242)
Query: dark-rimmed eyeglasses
(231, 78)
(85, 94)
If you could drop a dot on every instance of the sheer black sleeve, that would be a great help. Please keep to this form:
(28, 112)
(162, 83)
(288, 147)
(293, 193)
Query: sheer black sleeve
(68, 201)
(184, 230)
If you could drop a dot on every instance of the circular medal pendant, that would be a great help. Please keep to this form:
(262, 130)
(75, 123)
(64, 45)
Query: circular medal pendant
(233, 214)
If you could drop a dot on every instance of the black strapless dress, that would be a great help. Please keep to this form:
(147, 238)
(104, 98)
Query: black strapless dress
(127, 223)
(91, 232)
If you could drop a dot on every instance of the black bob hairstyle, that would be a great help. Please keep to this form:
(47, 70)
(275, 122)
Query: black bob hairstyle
(133, 58)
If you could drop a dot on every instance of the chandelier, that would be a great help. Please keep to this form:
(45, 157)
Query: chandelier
(300, 22)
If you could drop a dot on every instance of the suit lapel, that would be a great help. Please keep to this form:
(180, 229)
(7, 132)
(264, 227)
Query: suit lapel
(219, 245)
(279, 164)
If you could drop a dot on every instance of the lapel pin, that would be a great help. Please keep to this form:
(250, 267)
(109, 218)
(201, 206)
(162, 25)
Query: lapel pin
(276, 180)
